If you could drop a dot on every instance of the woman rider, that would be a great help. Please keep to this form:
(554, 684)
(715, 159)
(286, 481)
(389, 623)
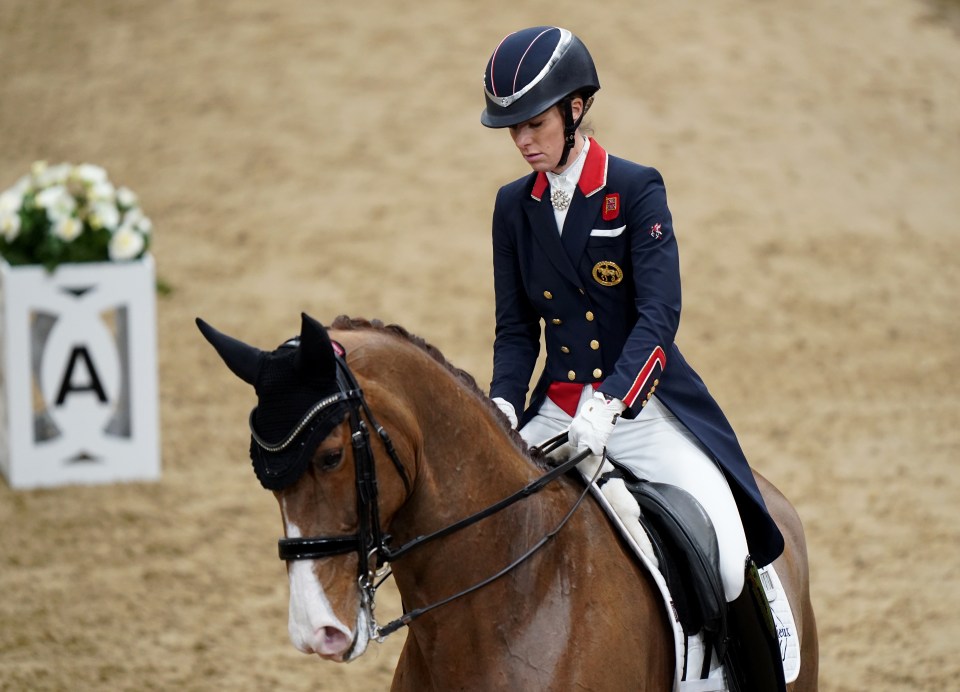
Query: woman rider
(585, 245)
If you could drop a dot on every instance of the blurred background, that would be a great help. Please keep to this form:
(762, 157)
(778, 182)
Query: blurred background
(328, 158)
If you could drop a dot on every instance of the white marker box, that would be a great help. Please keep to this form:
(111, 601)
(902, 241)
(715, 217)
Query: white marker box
(78, 374)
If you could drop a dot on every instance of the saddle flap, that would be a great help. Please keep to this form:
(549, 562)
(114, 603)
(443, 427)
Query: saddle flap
(685, 535)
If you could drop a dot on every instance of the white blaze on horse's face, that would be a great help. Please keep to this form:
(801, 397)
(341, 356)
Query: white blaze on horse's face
(314, 627)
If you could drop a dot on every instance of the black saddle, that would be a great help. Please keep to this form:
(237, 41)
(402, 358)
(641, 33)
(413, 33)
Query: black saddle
(686, 548)
(685, 545)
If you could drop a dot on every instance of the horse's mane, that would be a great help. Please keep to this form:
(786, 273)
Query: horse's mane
(347, 323)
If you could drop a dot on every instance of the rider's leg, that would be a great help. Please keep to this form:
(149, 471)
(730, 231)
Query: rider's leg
(658, 447)
(549, 422)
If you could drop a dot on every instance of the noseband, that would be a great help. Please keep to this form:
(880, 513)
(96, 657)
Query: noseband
(369, 542)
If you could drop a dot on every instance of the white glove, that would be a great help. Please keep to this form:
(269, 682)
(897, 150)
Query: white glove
(594, 422)
(508, 410)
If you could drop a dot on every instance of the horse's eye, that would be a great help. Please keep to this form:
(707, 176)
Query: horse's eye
(328, 460)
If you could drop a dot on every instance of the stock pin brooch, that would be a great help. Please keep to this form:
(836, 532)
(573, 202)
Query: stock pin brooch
(559, 199)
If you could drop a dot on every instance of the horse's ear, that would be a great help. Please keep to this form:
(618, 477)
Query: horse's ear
(243, 360)
(316, 352)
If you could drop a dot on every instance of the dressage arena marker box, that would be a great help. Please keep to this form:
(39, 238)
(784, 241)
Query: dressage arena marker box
(78, 374)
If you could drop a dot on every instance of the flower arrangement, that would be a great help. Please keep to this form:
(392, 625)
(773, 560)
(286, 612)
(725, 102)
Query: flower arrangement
(66, 213)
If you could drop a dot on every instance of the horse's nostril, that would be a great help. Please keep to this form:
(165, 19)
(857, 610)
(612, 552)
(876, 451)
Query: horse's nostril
(333, 640)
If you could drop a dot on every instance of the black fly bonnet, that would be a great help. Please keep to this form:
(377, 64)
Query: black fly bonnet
(300, 399)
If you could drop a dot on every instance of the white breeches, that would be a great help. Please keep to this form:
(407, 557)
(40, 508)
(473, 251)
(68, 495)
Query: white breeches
(658, 447)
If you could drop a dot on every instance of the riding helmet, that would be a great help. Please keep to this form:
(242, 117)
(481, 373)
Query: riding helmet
(532, 70)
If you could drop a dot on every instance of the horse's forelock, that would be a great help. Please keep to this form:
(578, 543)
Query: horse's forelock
(347, 323)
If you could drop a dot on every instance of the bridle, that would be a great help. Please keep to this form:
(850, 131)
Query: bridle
(369, 542)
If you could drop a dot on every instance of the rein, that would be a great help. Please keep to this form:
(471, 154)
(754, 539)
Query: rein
(527, 490)
(369, 542)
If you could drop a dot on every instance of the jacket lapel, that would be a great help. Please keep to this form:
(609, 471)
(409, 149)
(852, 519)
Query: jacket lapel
(539, 211)
(585, 206)
(576, 228)
(584, 209)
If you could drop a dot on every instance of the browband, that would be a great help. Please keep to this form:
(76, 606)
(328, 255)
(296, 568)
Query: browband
(314, 411)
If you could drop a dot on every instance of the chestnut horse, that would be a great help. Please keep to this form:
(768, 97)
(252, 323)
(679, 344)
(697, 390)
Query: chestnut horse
(573, 611)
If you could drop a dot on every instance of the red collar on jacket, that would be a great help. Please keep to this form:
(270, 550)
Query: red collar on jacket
(593, 177)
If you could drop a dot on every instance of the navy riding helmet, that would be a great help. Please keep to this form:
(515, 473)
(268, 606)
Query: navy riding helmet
(534, 69)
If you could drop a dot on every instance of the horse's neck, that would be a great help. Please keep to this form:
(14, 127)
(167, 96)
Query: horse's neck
(469, 459)
(468, 462)
(518, 628)
(464, 455)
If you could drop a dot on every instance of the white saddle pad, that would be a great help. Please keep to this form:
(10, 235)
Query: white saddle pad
(783, 619)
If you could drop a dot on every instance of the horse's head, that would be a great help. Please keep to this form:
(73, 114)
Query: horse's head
(300, 440)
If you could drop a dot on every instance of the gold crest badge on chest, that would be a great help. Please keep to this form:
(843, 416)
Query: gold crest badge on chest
(607, 273)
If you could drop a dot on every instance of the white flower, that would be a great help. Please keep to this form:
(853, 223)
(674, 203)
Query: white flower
(11, 200)
(125, 244)
(67, 228)
(90, 174)
(9, 225)
(58, 202)
(47, 176)
(145, 225)
(104, 215)
(21, 186)
(102, 192)
(47, 198)
(126, 197)
(134, 218)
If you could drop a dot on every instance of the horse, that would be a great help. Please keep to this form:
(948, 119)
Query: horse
(533, 592)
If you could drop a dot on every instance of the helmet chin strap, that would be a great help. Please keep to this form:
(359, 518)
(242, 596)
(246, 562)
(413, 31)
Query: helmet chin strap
(570, 127)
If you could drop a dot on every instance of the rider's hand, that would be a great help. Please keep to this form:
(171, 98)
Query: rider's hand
(508, 410)
(594, 422)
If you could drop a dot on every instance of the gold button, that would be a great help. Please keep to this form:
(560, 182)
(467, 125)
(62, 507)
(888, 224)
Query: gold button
(548, 295)
(565, 349)
(557, 321)
(571, 375)
(656, 382)
(589, 316)
(598, 373)
(595, 345)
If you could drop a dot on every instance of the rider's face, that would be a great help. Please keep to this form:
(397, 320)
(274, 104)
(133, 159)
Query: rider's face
(540, 139)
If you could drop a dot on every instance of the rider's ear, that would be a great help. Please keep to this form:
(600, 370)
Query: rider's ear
(578, 106)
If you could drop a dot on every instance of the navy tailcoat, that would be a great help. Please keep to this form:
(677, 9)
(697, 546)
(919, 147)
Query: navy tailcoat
(608, 293)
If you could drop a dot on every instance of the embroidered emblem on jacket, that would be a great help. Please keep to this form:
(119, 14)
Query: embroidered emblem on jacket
(611, 206)
(655, 231)
(607, 273)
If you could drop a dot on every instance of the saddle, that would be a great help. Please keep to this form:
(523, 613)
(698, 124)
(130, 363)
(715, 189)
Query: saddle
(685, 546)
